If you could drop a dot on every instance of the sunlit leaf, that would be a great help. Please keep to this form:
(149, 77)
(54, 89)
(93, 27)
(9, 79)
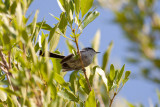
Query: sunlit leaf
(77, 6)
(66, 94)
(120, 74)
(85, 6)
(54, 37)
(91, 101)
(54, 17)
(60, 80)
(73, 81)
(3, 96)
(70, 46)
(19, 14)
(127, 73)
(83, 84)
(112, 72)
(44, 26)
(102, 74)
(106, 56)
(9, 91)
(95, 44)
(63, 23)
(53, 91)
(89, 18)
(158, 94)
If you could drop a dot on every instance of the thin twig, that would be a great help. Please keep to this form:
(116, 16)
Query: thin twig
(83, 69)
(111, 100)
(3, 58)
(9, 59)
(6, 67)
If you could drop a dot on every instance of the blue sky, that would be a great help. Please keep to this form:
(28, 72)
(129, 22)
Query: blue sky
(136, 89)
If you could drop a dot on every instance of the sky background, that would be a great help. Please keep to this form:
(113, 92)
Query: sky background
(137, 89)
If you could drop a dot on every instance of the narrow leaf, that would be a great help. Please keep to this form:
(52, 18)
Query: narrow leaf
(102, 74)
(66, 94)
(106, 56)
(83, 84)
(95, 44)
(89, 18)
(60, 80)
(3, 96)
(120, 74)
(85, 6)
(44, 26)
(112, 72)
(73, 81)
(54, 17)
(77, 6)
(91, 101)
(63, 23)
(127, 73)
(54, 37)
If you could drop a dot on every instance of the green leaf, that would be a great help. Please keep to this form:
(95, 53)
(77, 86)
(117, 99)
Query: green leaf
(60, 80)
(61, 4)
(25, 36)
(83, 84)
(89, 18)
(85, 6)
(2, 77)
(44, 26)
(54, 17)
(54, 37)
(73, 81)
(70, 46)
(13, 7)
(7, 3)
(127, 73)
(19, 14)
(102, 74)
(106, 56)
(77, 6)
(158, 94)
(3, 96)
(112, 72)
(53, 91)
(95, 44)
(120, 74)
(66, 94)
(56, 65)
(63, 23)
(129, 104)
(34, 22)
(6, 39)
(9, 91)
(91, 101)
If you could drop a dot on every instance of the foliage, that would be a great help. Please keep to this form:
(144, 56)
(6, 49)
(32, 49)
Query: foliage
(140, 21)
(29, 80)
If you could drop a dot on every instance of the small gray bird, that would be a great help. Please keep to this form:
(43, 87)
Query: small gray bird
(70, 62)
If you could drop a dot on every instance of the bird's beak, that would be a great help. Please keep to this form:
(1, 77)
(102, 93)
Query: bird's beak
(98, 52)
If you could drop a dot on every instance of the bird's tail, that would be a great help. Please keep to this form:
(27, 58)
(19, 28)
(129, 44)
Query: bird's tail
(53, 55)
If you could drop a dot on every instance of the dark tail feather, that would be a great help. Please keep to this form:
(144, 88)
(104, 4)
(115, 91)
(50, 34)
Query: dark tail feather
(51, 55)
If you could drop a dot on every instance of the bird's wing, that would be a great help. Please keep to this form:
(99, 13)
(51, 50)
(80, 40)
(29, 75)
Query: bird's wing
(66, 58)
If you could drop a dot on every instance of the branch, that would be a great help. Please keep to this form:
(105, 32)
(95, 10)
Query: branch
(5, 67)
(3, 58)
(111, 100)
(83, 69)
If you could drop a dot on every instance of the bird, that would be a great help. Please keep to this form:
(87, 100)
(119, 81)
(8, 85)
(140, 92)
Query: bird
(70, 62)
